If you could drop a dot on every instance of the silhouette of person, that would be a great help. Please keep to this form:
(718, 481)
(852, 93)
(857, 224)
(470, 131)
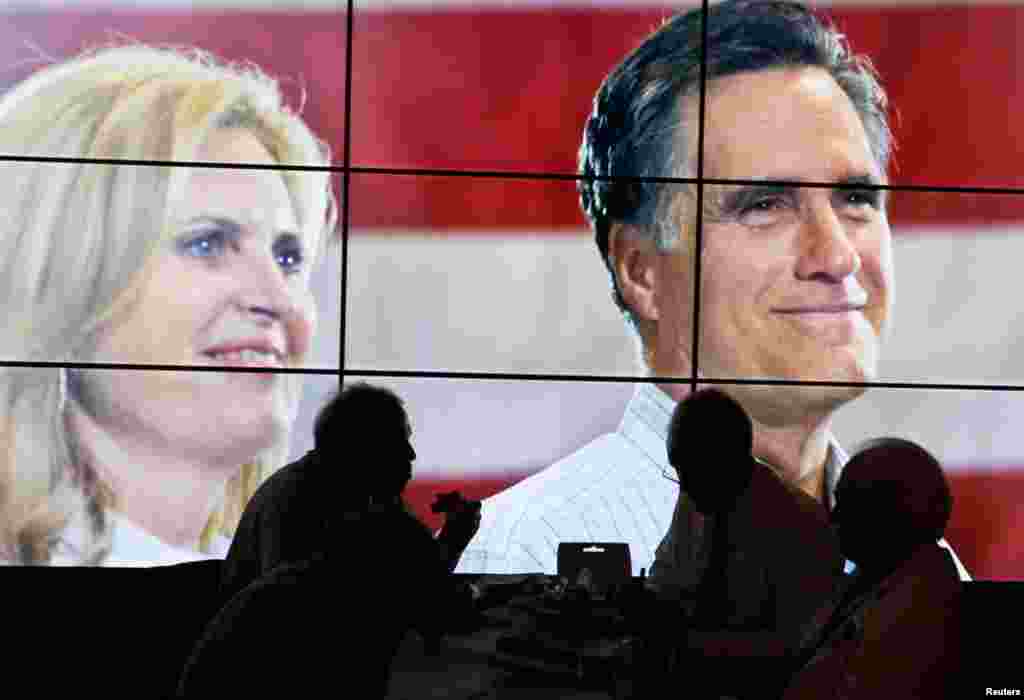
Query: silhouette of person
(696, 423)
(342, 502)
(362, 454)
(893, 630)
(286, 520)
(404, 547)
(764, 559)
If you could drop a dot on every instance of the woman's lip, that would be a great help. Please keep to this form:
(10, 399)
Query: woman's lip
(257, 345)
(235, 360)
(821, 309)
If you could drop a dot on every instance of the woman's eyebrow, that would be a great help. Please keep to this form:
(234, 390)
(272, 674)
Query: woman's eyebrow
(283, 232)
(230, 225)
(234, 228)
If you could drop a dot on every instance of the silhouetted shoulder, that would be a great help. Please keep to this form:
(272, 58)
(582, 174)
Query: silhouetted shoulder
(283, 521)
(280, 635)
(289, 478)
(271, 624)
(921, 591)
(901, 638)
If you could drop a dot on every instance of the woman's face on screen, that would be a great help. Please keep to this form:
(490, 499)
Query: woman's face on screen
(229, 287)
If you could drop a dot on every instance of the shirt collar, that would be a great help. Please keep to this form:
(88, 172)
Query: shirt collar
(131, 545)
(645, 424)
(647, 419)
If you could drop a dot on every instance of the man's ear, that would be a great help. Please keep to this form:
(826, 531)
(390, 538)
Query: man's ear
(633, 257)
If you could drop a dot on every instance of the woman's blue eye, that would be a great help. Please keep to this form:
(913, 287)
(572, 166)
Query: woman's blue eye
(288, 253)
(287, 250)
(290, 261)
(207, 245)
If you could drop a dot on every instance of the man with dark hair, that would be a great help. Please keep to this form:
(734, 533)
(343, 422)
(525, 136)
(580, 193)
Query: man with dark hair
(790, 226)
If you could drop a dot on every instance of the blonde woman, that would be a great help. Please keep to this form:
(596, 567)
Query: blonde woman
(149, 265)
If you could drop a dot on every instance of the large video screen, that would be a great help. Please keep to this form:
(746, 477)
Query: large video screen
(144, 275)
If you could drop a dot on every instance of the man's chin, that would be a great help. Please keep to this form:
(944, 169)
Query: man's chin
(852, 366)
(852, 383)
(782, 405)
(831, 398)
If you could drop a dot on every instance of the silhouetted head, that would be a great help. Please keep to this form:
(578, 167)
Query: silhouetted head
(710, 439)
(892, 498)
(364, 432)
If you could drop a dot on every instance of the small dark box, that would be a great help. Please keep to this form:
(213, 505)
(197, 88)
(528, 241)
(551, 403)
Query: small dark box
(608, 562)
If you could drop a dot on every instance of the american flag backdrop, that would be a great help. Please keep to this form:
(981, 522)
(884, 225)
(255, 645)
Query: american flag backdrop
(457, 263)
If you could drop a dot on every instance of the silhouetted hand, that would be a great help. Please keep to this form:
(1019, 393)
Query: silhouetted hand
(461, 522)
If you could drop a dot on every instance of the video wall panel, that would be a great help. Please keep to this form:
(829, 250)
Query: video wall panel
(462, 270)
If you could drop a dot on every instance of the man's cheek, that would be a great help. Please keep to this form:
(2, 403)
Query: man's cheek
(879, 301)
(876, 274)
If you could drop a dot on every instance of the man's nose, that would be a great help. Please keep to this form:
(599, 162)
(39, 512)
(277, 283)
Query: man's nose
(829, 254)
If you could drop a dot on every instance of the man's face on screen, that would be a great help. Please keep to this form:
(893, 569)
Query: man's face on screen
(228, 287)
(795, 281)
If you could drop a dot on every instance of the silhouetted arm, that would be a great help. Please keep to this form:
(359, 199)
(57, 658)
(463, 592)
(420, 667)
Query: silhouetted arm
(676, 565)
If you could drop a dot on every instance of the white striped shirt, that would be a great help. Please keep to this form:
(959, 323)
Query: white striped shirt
(618, 488)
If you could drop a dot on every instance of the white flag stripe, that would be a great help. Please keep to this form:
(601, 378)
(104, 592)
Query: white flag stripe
(488, 302)
(540, 304)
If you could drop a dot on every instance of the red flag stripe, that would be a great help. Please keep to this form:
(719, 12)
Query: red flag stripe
(508, 89)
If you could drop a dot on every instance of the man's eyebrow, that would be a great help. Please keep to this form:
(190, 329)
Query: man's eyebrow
(735, 198)
(868, 179)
